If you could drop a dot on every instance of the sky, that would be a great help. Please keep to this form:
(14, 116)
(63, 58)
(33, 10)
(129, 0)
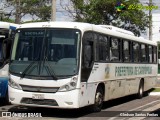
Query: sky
(154, 2)
(155, 21)
(62, 15)
(156, 27)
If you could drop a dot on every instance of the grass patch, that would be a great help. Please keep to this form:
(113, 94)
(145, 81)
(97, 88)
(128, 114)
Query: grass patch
(156, 90)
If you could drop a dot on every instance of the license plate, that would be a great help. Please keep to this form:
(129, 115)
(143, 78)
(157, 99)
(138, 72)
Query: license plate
(37, 96)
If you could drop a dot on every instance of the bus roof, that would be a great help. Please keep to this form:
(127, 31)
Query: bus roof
(105, 29)
(57, 24)
(7, 25)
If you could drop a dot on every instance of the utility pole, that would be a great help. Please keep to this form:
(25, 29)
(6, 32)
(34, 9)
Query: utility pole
(1, 11)
(150, 20)
(18, 14)
(53, 11)
(1, 14)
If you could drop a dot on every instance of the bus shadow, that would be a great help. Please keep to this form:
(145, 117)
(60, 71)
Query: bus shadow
(53, 112)
(71, 113)
(156, 112)
(3, 102)
(123, 100)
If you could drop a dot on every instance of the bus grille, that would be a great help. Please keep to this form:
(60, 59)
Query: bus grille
(39, 102)
(39, 89)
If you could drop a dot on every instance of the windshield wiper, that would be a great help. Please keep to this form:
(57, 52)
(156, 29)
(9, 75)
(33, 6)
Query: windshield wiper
(27, 68)
(51, 71)
(43, 58)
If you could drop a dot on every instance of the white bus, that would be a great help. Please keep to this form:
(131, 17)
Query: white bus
(6, 37)
(72, 65)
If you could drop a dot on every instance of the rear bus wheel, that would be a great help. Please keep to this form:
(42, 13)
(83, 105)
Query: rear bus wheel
(140, 90)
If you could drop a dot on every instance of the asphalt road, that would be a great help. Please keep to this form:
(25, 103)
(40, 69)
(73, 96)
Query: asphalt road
(127, 108)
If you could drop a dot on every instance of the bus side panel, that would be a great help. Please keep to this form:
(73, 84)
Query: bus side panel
(119, 88)
(113, 89)
(119, 81)
(132, 86)
(149, 82)
(87, 94)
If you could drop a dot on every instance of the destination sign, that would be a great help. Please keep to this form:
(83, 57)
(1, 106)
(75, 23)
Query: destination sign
(34, 33)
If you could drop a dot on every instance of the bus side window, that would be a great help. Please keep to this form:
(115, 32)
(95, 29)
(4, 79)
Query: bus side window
(87, 56)
(126, 51)
(102, 48)
(154, 54)
(6, 49)
(150, 54)
(87, 50)
(136, 52)
(144, 53)
(114, 50)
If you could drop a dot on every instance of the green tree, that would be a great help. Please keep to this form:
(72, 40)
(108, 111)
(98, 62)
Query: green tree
(6, 19)
(38, 9)
(106, 12)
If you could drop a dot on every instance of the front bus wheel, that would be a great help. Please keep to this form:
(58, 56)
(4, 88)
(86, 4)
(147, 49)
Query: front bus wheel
(99, 96)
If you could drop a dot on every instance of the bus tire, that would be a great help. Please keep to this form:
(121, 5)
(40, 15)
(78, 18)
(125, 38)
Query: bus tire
(6, 99)
(98, 100)
(140, 90)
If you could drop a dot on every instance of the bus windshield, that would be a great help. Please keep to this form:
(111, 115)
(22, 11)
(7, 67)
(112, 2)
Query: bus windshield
(40, 53)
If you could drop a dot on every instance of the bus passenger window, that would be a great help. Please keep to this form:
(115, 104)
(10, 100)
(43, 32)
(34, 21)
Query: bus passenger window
(87, 50)
(114, 51)
(103, 51)
(143, 51)
(150, 54)
(126, 52)
(136, 55)
(88, 54)
(155, 54)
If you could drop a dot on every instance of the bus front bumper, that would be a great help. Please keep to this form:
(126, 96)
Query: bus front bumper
(67, 99)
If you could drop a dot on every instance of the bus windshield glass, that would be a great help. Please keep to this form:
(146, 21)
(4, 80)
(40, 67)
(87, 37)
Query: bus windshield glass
(42, 52)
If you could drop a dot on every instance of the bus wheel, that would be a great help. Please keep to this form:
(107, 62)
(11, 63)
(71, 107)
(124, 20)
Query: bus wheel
(140, 90)
(6, 98)
(98, 100)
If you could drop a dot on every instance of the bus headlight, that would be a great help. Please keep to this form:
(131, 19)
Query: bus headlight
(12, 84)
(69, 86)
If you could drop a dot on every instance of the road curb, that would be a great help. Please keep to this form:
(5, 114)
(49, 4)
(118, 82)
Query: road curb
(154, 93)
